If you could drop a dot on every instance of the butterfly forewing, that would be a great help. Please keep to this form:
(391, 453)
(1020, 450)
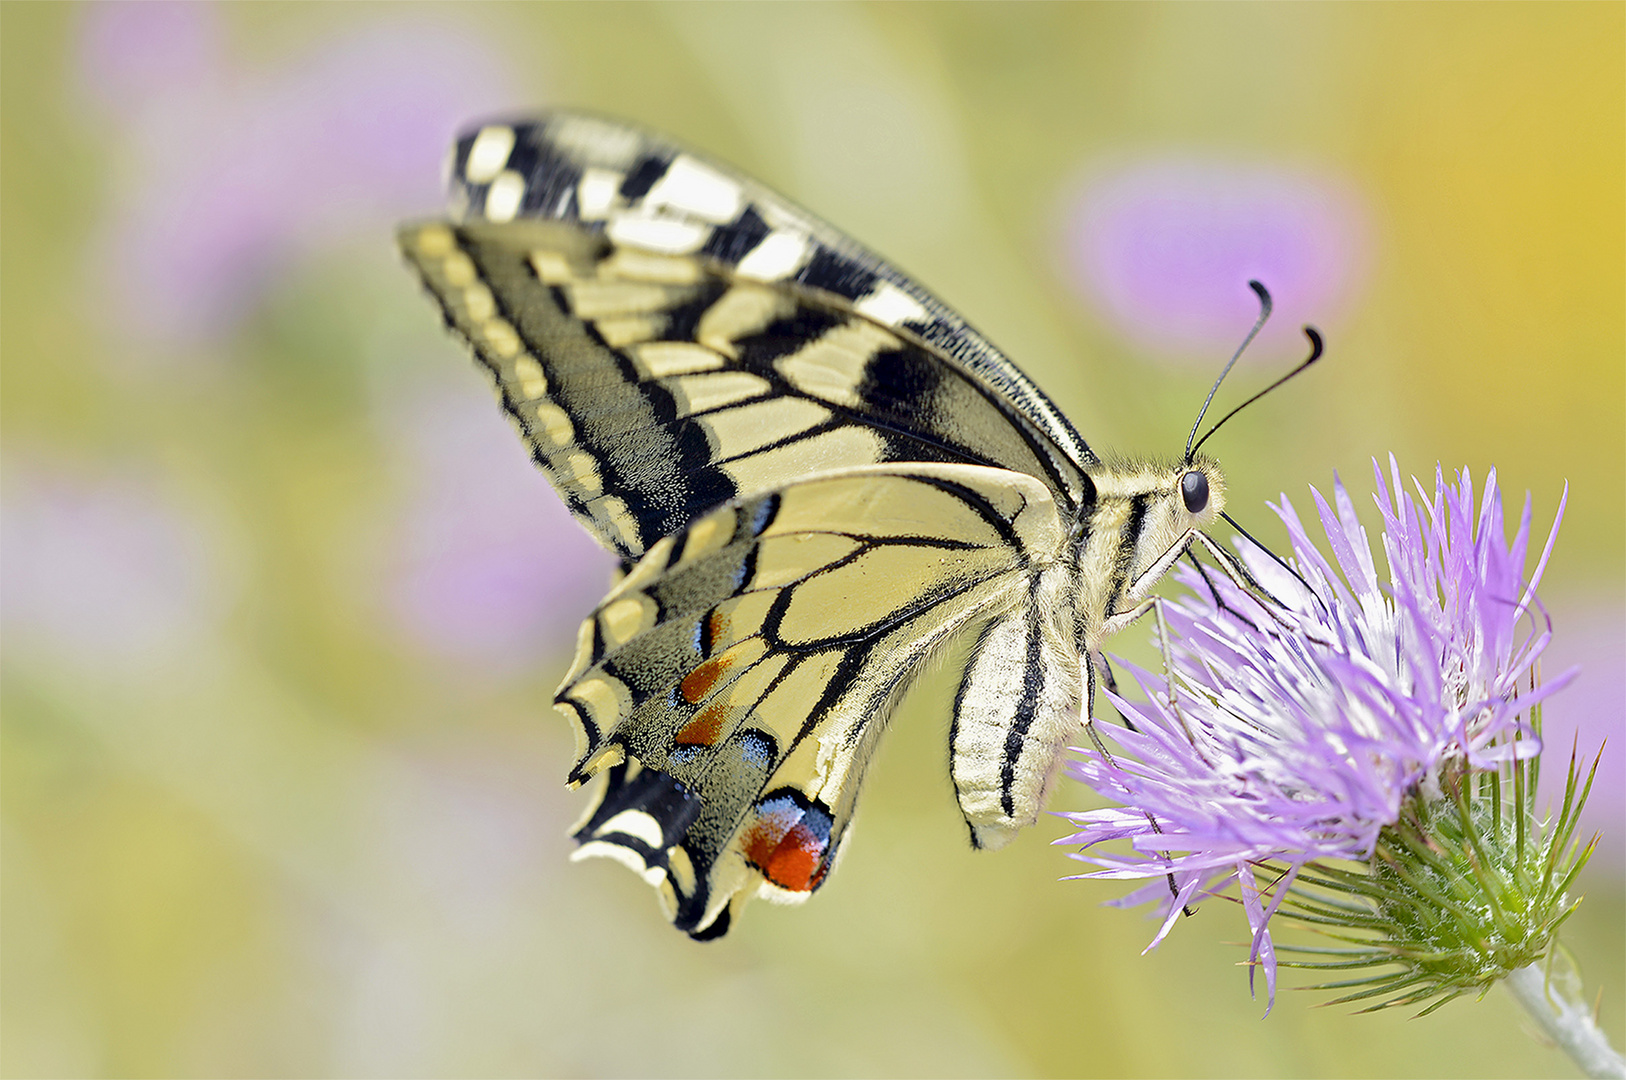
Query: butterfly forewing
(621, 288)
(653, 388)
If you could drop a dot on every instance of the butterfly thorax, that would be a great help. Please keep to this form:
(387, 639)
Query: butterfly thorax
(1137, 525)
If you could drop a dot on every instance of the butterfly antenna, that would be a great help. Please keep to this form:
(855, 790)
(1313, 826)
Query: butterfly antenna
(1315, 354)
(1265, 305)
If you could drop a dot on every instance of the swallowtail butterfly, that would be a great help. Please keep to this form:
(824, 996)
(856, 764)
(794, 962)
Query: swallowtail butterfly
(816, 476)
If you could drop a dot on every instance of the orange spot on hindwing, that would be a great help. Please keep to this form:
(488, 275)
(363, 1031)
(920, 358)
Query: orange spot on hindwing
(717, 629)
(788, 839)
(705, 727)
(699, 682)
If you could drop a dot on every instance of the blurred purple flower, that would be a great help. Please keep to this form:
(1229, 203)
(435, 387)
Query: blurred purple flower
(1291, 747)
(1591, 716)
(102, 576)
(1164, 249)
(488, 565)
(132, 53)
(231, 175)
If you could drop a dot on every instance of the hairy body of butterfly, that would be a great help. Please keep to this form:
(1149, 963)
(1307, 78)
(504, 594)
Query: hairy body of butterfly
(815, 475)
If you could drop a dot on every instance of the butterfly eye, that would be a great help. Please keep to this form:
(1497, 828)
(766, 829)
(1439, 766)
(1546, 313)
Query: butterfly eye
(1194, 490)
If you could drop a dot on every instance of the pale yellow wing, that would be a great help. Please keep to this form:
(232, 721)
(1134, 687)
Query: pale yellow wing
(733, 684)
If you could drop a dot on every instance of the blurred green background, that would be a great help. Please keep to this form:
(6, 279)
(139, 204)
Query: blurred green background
(284, 604)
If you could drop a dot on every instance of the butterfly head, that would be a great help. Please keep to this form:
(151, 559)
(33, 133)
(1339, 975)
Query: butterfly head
(1188, 498)
(1198, 493)
(1145, 517)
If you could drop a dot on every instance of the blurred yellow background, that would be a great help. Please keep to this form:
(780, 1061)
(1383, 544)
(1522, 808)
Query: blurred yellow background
(284, 605)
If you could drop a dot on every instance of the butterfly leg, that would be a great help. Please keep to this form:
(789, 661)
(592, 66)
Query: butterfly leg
(1140, 588)
(1219, 601)
(1233, 568)
(1098, 659)
(1154, 604)
(1096, 665)
(1103, 669)
(1090, 669)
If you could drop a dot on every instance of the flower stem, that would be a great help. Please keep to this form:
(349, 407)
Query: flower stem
(1565, 1020)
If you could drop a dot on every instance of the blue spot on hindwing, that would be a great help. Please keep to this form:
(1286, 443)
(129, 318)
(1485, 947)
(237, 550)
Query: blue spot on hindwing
(758, 748)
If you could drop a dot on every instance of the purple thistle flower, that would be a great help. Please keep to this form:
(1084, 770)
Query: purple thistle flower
(1292, 745)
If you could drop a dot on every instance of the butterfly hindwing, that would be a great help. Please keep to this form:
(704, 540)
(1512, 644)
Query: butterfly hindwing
(733, 684)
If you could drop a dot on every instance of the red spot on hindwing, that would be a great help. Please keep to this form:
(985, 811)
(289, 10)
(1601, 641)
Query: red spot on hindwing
(788, 840)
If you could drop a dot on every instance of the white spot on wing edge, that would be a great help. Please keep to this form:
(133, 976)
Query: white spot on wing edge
(623, 619)
(613, 510)
(636, 823)
(775, 895)
(709, 534)
(696, 188)
(593, 139)
(533, 382)
(458, 270)
(682, 869)
(780, 254)
(435, 241)
(623, 855)
(889, 305)
(658, 234)
(504, 196)
(577, 467)
(499, 335)
(555, 423)
(478, 302)
(596, 193)
(488, 154)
